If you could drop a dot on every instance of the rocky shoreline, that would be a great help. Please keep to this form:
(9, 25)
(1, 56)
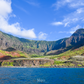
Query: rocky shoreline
(26, 63)
(38, 67)
(38, 63)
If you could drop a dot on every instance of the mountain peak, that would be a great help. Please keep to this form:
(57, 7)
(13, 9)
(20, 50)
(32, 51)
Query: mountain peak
(80, 29)
(78, 32)
(76, 37)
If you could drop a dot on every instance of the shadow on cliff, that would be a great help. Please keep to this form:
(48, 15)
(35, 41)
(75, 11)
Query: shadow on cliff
(10, 49)
(5, 57)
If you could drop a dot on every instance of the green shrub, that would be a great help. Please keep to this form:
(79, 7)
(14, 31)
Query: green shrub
(7, 64)
(53, 57)
(58, 62)
(79, 65)
(46, 64)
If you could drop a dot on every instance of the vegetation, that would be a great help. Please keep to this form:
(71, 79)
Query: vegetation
(45, 65)
(70, 53)
(34, 56)
(79, 65)
(7, 64)
(28, 46)
(63, 51)
(58, 62)
(13, 53)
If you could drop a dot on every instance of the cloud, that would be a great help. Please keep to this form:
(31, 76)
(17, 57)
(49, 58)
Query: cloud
(15, 28)
(72, 18)
(74, 29)
(63, 32)
(77, 4)
(42, 36)
(22, 9)
(5, 7)
(60, 3)
(69, 3)
(32, 3)
(57, 23)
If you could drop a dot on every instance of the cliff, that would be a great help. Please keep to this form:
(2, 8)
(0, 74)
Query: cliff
(26, 63)
(28, 46)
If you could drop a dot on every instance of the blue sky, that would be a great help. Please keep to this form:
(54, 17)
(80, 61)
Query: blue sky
(41, 19)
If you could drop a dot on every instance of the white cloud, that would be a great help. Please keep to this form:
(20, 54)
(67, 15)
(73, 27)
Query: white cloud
(80, 10)
(42, 36)
(5, 7)
(74, 29)
(22, 9)
(77, 15)
(66, 24)
(62, 32)
(60, 3)
(32, 3)
(57, 23)
(69, 3)
(72, 18)
(15, 28)
(77, 3)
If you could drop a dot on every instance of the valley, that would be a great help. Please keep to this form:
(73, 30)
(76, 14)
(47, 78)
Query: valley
(67, 52)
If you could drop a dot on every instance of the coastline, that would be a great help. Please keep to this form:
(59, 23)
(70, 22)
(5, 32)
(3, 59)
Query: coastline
(39, 63)
(40, 67)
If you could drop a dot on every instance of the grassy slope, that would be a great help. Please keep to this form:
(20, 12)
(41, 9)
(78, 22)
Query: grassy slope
(66, 58)
(14, 54)
(60, 60)
(70, 53)
(28, 46)
(66, 55)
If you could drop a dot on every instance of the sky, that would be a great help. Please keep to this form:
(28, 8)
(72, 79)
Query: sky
(48, 20)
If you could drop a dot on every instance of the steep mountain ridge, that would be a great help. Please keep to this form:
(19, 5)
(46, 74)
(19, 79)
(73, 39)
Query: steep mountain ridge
(74, 41)
(41, 47)
(76, 37)
(28, 46)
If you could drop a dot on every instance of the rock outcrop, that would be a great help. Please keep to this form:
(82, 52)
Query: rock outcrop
(25, 63)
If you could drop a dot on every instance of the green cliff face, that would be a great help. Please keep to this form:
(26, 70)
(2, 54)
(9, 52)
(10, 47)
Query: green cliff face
(41, 47)
(28, 46)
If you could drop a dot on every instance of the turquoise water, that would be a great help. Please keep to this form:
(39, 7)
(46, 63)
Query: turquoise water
(41, 75)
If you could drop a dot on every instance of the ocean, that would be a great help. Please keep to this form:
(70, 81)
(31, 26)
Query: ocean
(41, 75)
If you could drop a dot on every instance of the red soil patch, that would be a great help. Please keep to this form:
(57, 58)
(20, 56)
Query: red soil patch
(13, 54)
(1, 54)
(7, 52)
